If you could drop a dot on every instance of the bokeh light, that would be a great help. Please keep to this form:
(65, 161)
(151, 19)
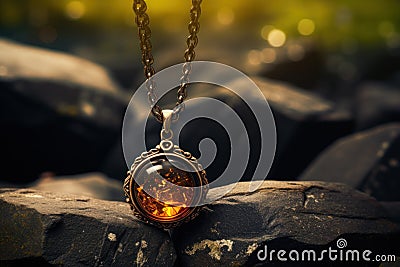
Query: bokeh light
(257, 34)
(276, 38)
(75, 10)
(226, 16)
(306, 27)
(268, 55)
(265, 31)
(254, 57)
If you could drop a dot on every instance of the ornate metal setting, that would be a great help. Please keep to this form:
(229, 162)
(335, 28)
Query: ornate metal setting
(149, 173)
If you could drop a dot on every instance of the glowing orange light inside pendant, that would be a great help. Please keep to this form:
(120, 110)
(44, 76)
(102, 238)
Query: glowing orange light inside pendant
(176, 201)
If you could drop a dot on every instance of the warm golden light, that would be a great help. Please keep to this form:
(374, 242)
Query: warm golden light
(75, 9)
(306, 27)
(265, 31)
(276, 38)
(268, 55)
(254, 57)
(88, 109)
(175, 202)
(226, 16)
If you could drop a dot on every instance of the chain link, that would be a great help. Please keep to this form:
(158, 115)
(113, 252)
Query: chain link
(143, 23)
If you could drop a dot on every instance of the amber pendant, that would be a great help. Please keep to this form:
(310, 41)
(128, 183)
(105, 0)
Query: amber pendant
(165, 186)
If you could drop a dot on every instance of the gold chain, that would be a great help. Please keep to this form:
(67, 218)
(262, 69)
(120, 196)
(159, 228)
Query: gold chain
(143, 23)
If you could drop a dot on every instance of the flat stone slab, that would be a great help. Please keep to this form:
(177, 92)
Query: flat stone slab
(42, 228)
(232, 230)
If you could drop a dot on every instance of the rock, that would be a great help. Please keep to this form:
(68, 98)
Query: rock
(368, 161)
(93, 185)
(383, 64)
(120, 59)
(43, 228)
(58, 113)
(392, 208)
(300, 63)
(305, 124)
(376, 103)
(282, 215)
(114, 164)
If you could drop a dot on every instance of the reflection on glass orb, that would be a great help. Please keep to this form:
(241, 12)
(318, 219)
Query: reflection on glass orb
(157, 196)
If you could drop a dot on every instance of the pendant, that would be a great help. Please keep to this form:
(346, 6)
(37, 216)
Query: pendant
(166, 186)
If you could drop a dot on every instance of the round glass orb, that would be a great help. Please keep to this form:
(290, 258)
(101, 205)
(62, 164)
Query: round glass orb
(154, 192)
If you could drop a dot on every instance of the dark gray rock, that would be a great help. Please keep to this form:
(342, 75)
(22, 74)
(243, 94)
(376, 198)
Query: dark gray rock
(93, 185)
(58, 113)
(300, 63)
(381, 64)
(368, 161)
(42, 228)
(393, 210)
(114, 164)
(282, 215)
(305, 124)
(376, 103)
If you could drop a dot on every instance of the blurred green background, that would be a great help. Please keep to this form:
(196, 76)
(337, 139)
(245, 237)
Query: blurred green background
(351, 37)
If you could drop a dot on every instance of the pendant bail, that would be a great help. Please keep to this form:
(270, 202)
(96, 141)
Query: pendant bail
(166, 132)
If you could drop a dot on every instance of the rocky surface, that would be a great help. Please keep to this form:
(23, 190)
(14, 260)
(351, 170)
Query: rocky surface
(93, 185)
(41, 228)
(368, 161)
(282, 215)
(393, 210)
(62, 115)
(45, 228)
(376, 103)
(58, 113)
(305, 124)
(301, 63)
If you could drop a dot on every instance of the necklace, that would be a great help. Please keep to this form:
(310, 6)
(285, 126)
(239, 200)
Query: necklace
(161, 182)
